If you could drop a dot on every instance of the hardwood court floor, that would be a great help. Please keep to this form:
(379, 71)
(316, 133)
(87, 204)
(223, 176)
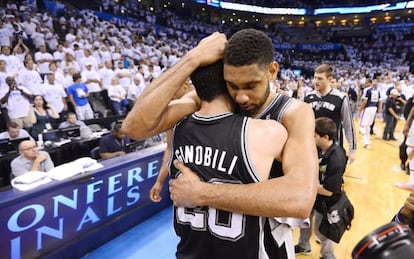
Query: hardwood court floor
(370, 183)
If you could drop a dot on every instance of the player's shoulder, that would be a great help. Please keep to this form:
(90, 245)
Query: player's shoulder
(338, 93)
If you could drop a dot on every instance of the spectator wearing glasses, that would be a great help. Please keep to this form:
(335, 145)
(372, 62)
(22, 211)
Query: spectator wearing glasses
(30, 159)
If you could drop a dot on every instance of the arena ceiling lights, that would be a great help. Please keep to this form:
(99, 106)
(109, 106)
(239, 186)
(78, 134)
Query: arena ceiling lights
(301, 11)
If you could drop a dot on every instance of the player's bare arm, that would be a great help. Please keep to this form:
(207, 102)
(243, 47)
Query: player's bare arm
(291, 195)
(152, 112)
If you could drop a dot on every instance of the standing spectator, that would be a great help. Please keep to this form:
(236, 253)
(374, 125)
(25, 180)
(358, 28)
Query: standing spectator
(106, 73)
(59, 54)
(391, 115)
(70, 62)
(5, 35)
(18, 51)
(17, 101)
(14, 65)
(91, 78)
(55, 95)
(124, 75)
(332, 164)
(78, 95)
(88, 59)
(43, 60)
(30, 78)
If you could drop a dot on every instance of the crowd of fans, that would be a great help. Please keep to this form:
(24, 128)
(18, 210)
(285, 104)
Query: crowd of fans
(41, 55)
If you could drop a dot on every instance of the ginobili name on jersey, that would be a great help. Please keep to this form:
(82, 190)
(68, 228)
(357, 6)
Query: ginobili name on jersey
(206, 156)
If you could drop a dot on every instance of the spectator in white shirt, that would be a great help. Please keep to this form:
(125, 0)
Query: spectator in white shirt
(55, 95)
(30, 78)
(17, 101)
(29, 27)
(135, 89)
(106, 73)
(124, 75)
(18, 50)
(88, 59)
(105, 54)
(13, 63)
(43, 59)
(69, 62)
(117, 94)
(5, 35)
(3, 75)
(38, 39)
(59, 54)
(91, 78)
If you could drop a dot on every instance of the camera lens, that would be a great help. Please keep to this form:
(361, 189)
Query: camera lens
(390, 241)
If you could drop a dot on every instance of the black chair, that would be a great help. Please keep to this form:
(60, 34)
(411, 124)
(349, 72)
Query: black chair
(95, 154)
(100, 103)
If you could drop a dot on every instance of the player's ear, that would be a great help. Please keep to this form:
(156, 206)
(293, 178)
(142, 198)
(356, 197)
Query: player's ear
(273, 70)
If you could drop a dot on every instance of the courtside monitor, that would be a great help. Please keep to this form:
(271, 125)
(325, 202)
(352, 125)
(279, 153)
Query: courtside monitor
(5, 146)
(16, 142)
(52, 135)
(70, 132)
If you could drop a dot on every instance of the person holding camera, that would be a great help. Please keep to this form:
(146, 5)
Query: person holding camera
(17, 102)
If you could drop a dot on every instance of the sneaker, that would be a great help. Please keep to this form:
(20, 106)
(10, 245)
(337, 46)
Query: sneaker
(302, 251)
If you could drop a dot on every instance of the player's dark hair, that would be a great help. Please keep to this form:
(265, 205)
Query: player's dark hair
(325, 126)
(247, 47)
(209, 81)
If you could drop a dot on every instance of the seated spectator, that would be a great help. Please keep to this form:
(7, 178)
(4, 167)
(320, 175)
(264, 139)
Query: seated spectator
(30, 159)
(14, 132)
(43, 116)
(135, 89)
(113, 144)
(71, 121)
(117, 94)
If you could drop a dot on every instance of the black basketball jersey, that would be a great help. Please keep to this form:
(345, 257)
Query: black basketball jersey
(275, 111)
(331, 106)
(215, 148)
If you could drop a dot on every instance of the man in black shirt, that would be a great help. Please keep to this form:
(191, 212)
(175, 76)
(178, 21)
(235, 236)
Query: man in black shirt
(332, 166)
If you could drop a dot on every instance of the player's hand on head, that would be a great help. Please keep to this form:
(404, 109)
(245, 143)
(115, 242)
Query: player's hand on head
(184, 189)
(211, 48)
